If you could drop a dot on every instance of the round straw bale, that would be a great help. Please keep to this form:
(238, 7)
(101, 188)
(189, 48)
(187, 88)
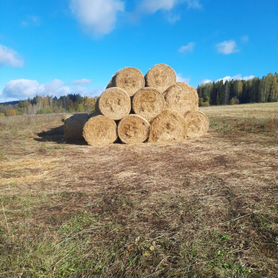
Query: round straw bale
(133, 129)
(129, 79)
(100, 130)
(193, 92)
(197, 124)
(168, 126)
(73, 127)
(161, 77)
(114, 103)
(148, 103)
(180, 100)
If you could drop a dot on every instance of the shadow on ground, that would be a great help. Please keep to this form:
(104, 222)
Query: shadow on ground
(56, 134)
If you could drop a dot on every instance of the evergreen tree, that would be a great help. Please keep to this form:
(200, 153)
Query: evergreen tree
(240, 91)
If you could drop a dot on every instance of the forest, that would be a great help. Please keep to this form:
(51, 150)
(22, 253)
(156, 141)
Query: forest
(254, 90)
(43, 105)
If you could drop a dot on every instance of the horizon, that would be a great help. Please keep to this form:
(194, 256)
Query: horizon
(67, 46)
(204, 83)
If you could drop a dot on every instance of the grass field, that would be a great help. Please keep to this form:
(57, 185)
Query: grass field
(205, 208)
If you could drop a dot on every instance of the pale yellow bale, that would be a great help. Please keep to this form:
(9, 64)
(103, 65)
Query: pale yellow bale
(100, 130)
(160, 77)
(148, 103)
(194, 93)
(133, 129)
(129, 79)
(168, 127)
(114, 103)
(73, 127)
(180, 100)
(197, 124)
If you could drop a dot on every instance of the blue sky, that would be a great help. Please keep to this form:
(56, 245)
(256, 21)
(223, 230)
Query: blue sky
(60, 46)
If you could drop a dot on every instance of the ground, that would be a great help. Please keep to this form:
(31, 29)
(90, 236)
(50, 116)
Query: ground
(205, 208)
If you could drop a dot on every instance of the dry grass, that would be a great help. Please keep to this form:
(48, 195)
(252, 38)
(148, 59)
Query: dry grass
(205, 208)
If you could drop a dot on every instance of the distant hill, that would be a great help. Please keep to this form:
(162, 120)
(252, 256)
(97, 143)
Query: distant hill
(15, 102)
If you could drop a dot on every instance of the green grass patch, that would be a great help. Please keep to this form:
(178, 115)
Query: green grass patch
(230, 126)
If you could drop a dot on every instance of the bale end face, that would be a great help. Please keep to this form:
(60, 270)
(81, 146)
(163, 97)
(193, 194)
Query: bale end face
(114, 103)
(167, 127)
(193, 92)
(160, 77)
(148, 103)
(197, 124)
(180, 100)
(133, 129)
(129, 79)
(100, 131)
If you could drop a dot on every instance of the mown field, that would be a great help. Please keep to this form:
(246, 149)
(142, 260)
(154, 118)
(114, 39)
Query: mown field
(205, 208)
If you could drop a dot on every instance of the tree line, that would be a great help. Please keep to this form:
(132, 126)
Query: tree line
(263, 89)
(42, 105)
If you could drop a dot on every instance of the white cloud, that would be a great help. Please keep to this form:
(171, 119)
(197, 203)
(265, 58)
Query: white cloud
(227, 47)
(193, 4)
(9, 57)
(56, 88)
(236, 77)
(98, 17)
(206, 81)
(153, 6)
(173, 18)
(181, 78)
(82, 82)
(24, 88)
(32, 20)
(187, 48)
(229, 78)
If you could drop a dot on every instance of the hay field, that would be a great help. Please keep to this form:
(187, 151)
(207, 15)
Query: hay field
(205, 208)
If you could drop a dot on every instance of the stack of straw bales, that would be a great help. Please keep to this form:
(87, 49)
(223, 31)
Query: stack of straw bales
(136, 109)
